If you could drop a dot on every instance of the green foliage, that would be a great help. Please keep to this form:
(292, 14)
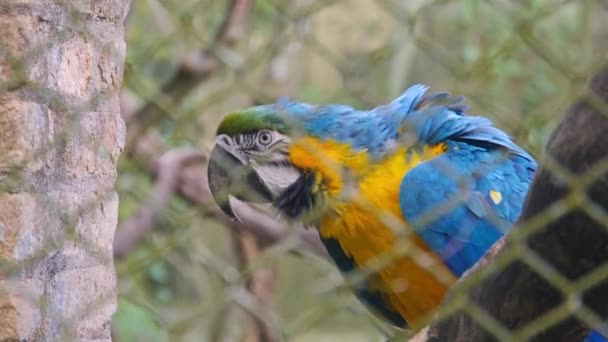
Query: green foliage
(136, 323)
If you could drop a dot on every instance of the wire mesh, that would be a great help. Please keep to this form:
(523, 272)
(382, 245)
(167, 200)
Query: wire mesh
(186, 272)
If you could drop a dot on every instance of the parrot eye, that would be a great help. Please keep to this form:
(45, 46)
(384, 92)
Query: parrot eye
(264, 138)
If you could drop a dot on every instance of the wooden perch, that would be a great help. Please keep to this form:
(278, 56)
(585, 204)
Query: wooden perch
(571, 246)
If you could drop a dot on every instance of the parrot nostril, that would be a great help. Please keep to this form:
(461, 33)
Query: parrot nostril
(224, 140)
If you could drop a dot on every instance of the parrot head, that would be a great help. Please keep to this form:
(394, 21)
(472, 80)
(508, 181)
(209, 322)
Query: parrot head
(249, 160)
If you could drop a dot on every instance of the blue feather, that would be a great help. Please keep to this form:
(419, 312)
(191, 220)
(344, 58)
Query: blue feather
(431, 119)
(462, 179)
(594, 336)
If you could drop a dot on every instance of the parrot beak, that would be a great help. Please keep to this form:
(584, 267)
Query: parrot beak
(229, 175)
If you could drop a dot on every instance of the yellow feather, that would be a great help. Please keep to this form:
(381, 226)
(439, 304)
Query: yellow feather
(367, 223)
(495, 196)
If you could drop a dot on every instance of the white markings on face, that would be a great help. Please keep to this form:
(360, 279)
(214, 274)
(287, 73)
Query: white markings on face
(265, 152)
(277, 178)
(259, 142)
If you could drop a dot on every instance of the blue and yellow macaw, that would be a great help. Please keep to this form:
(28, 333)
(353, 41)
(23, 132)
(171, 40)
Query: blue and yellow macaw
(416, 180)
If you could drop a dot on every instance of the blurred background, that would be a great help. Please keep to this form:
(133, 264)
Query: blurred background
(184, 272)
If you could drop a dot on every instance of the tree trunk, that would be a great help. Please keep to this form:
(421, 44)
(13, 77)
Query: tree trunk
(61, 65)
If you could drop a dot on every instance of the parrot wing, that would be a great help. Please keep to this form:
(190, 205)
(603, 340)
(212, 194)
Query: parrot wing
(464, 200)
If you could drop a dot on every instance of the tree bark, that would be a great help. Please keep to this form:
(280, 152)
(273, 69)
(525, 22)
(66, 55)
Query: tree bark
(61, 66)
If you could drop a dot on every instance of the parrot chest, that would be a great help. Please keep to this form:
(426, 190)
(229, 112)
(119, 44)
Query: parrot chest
(370, 227)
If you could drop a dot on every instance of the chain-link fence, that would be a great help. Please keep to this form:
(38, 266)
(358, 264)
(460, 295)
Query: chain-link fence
(522, 64)
(187, 272)
(519, 63)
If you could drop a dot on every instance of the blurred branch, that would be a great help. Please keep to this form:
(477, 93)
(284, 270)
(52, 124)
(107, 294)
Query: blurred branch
(168, 169)
(182, 172)
(572, 247)
(193, 70)
(233, 27)
(260, 283)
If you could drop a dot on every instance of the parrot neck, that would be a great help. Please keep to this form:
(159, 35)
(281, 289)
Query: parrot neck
(340, 174)
(332, 163)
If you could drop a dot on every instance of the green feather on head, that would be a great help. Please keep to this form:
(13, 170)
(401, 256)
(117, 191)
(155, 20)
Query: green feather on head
(249, 121)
